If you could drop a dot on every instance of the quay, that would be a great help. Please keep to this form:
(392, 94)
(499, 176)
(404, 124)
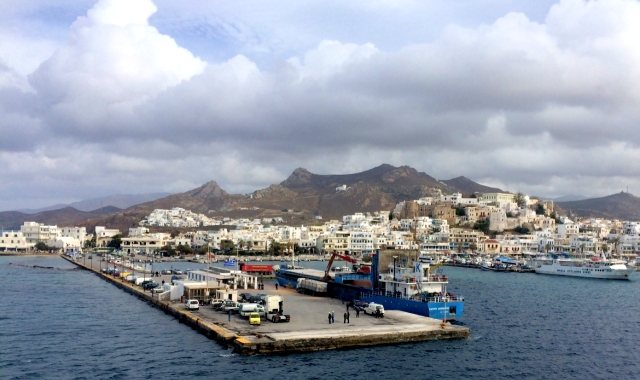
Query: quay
(309, 329)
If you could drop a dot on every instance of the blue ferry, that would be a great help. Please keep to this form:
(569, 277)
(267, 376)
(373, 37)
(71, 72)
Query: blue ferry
(397, 280)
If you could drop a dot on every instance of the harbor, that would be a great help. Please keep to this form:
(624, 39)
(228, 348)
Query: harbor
(308, 330)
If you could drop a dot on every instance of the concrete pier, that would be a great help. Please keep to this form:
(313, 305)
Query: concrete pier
(309, 329)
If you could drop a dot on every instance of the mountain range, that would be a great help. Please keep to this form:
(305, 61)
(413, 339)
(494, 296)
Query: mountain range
(303, 196)
(622, 206)
(120, 201)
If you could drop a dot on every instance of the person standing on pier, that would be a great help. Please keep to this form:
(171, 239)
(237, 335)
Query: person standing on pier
(229, 314)
(348, 315)
(329, 317)
(345, 317)
(333, 317)
(276, 286)
(357, 313)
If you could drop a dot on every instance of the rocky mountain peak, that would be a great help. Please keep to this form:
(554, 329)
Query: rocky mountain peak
(300, 176)
(208, 190)
(397, 173)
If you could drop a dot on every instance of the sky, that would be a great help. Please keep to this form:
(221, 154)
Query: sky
(138, 96)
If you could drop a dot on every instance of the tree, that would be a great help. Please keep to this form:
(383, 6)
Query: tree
(473, 247)
(249, 244)
(605, 249)
(460, 211)
(168, 249)
(540, 209)
(41, 246)
(390, 215)
(241, 244)
(115, 242)
(547, 247)
(519, 199)
(615, 241)
(582, 246)
(522, 230)
(91, 242)
(226, 245)
(275, 248)
(184, 249)
(482, 225)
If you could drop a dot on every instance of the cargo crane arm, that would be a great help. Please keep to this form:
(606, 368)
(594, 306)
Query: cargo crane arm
(333, 257)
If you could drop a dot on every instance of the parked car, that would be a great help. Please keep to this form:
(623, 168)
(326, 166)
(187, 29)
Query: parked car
(166, 271)
(244, 297)
(217, 304)
(256, 299)
(192, 305)
(176, 278)
(150, 285)
(158, 289)
(359, 305)
(254, 319)
(177, 271)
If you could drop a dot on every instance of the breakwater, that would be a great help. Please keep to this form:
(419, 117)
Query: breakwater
(306, 333)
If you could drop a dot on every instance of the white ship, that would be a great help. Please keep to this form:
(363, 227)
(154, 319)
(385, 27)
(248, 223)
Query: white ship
(593, 268)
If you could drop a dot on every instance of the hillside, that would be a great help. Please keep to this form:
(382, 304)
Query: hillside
(466, 186)
(68, 216)
(297, 199)
(623, 206)
(120, 201)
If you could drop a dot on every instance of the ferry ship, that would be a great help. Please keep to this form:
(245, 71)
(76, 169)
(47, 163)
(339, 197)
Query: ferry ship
(594, 268)
(404, 284)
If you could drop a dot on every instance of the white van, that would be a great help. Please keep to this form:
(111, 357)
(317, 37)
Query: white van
(192, 305)
(372, 308)
(247, 308)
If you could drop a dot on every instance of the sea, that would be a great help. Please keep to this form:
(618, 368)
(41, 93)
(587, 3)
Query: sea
(58, 322)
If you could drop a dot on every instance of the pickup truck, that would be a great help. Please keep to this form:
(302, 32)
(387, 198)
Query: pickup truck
(372, 308)
(230, 305)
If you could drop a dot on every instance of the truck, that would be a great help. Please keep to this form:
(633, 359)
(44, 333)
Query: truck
(313, 287)
(247, 308)
(230, 305)
(274, 306)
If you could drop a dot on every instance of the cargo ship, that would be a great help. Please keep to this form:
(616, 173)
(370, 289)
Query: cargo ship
(398, 280)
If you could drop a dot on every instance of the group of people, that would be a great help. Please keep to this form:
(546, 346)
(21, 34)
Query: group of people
(332, 315)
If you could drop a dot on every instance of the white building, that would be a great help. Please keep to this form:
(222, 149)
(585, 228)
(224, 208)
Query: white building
(78, 233)
(14, 241)
(38, 232)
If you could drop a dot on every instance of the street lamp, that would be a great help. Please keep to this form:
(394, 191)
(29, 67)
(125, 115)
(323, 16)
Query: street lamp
(394, 275)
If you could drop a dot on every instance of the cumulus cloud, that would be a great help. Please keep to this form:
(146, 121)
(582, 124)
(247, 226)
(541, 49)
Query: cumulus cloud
(113, 62)
(544, 106)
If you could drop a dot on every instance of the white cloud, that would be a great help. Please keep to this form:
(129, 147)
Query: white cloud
(534, 105)
(113, 62)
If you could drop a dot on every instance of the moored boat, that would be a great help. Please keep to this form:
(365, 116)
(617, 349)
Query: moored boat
(609, 269)
(404, 284)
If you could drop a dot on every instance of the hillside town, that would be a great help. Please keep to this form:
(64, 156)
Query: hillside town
(488, 223)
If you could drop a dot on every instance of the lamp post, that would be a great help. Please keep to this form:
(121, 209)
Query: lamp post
(394, 275)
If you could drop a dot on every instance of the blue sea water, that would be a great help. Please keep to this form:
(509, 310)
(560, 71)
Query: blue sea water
(69, 324)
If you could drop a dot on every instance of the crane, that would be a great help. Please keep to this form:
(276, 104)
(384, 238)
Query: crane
(333, 257)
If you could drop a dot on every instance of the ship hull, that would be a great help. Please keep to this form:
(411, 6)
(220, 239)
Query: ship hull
(452, 310)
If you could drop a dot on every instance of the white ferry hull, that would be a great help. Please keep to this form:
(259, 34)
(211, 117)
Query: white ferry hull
(586, 272)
